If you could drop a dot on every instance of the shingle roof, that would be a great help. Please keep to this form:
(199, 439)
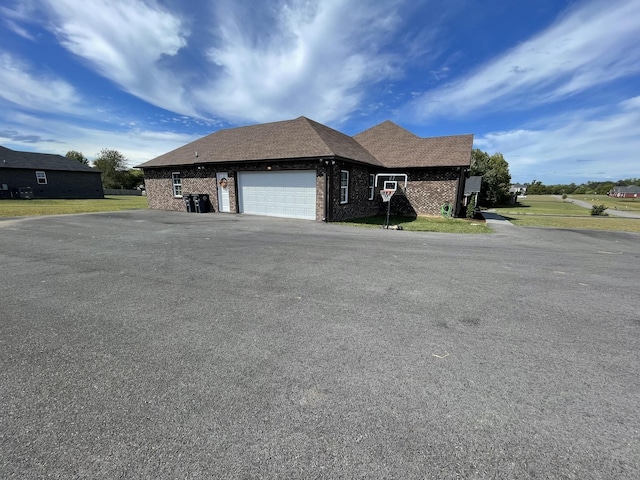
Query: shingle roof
(299, 138)
(40, 161)
(385, 145)
(396, 147)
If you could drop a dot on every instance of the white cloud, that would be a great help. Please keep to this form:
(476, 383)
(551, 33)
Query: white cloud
(126, 42)
(30, 132)
(23, 86)
(592, 45)
(294, 57)
(314, 61)
(584, 145)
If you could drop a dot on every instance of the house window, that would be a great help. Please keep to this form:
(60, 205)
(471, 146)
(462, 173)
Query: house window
(344, 186)
(372, 192)
(41, 177)
(177, 184)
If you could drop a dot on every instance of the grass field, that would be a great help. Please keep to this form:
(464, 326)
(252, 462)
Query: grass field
(627, 204)
(548, 211)
(424, 224)
(111, 203)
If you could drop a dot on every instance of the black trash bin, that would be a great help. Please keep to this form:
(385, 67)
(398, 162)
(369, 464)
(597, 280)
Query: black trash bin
(188, 202)
(201, 201)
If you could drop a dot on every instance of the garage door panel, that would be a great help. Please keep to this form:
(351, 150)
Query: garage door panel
(280, 194)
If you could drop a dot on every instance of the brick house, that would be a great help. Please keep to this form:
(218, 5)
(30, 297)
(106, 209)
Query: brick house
(303, 169)
(46, 175)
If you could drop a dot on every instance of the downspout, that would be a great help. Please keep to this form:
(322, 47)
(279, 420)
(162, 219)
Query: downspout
(460, 192)
(327, 197)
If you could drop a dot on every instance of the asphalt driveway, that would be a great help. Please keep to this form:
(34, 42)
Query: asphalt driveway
(170, 345)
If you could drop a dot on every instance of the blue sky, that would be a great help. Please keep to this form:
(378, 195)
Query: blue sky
(554, 85)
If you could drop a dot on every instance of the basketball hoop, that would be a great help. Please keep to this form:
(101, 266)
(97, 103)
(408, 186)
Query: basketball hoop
(386, 194)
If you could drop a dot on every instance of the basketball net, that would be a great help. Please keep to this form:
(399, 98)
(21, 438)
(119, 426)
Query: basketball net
(386, 194)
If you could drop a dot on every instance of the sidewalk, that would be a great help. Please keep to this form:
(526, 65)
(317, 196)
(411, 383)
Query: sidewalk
(496, 222)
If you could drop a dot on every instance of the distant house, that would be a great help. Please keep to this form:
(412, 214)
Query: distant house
(518, 189)
(630, 191)
(303, 169)
(44, 175)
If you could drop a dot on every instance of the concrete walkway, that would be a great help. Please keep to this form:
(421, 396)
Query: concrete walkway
(609, 211)
(497, 222)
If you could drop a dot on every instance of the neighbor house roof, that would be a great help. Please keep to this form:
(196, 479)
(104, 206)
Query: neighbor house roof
(396, 147)
(299, 138)
(385, 145)
(40, 161)
(627, 189)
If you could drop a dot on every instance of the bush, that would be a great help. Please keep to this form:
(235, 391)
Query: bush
(598, 210)
(564, 196)
(471, 208)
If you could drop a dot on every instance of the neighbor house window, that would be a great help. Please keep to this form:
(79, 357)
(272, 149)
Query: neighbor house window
(177, 184)
(41, 177)
(372, 192)
(344, 186)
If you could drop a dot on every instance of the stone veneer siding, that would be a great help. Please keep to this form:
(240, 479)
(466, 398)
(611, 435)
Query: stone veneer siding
(358, 204)
(427, 190)
(202, 179)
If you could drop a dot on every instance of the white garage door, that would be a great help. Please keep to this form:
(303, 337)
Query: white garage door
(278, 194)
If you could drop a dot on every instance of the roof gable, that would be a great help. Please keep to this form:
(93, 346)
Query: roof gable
(298, 138)
(40, 161)
(396, 147)
(386, 145)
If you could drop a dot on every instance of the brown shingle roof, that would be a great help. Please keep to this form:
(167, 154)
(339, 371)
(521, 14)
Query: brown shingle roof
(385, 145)
(396, 147)
(299, 138)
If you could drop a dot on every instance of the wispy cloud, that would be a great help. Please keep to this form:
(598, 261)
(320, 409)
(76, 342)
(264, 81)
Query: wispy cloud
(125, 41)
(316, 60)
(25, 87)
(591, 45)
(583, 145)
(295, 57)
(137, 143)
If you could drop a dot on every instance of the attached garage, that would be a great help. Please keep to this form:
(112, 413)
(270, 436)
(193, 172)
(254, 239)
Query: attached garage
(289, 193)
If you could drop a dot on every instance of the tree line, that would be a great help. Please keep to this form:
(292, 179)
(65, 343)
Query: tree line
(113, 165)
(596, 188)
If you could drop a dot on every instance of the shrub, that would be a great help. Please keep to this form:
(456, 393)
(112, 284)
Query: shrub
(564, 196)
(471, 208)
(598, 210)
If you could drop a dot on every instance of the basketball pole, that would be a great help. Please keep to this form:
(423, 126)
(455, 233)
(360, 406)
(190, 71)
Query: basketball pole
(386, 224)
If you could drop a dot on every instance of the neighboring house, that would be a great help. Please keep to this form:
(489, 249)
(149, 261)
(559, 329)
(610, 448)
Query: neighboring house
(630, 191)
(46, 176)
(303, 169)
(518, 189)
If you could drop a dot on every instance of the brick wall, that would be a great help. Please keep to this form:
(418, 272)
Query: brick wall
(427, 190)
(359, 204)
(202, 179)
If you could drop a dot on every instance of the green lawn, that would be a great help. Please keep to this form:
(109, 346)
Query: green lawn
(627, 204)
(111, 203)
(423, 224)
(548, 211)
(542, 205)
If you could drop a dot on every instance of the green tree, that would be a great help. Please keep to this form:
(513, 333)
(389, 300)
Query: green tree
(496, 178)
(113, 166)
(77, 156)
(132, 179)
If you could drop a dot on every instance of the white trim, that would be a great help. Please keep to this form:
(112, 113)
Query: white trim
(175, 186)
(344, 188)
(41, 175)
